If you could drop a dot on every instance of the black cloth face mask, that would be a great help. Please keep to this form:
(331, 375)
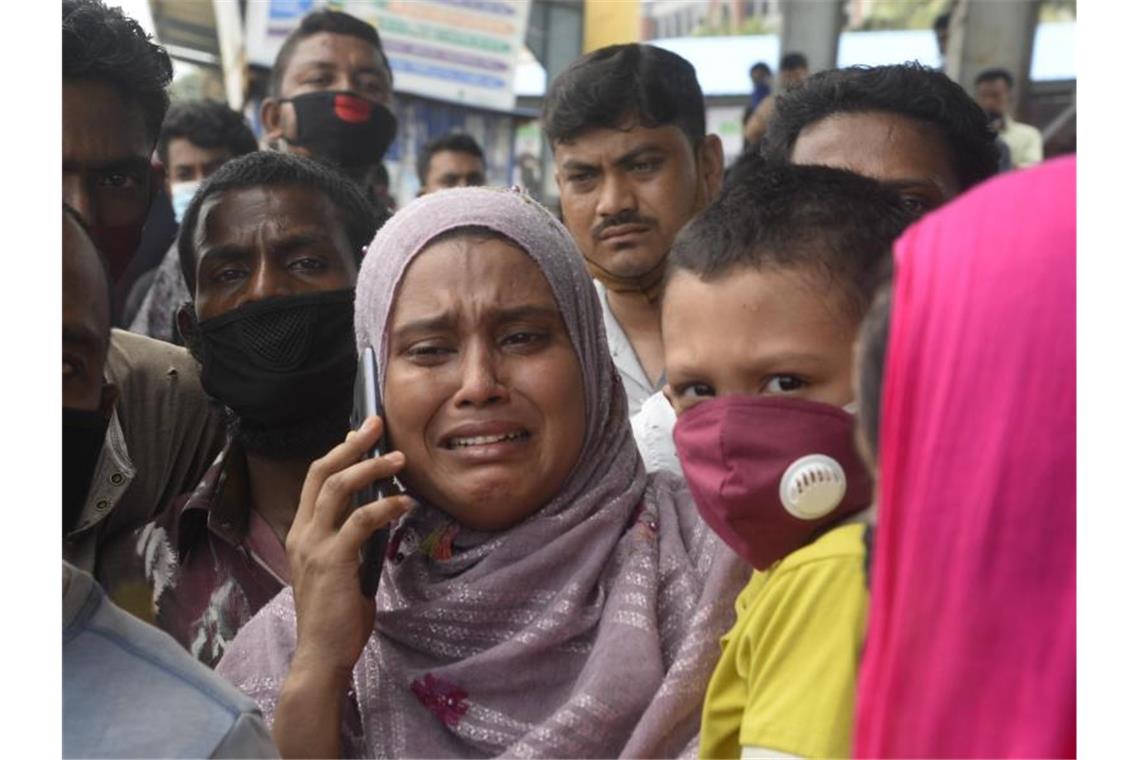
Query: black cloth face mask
(83, 435)
(342, 127)
(279, 360)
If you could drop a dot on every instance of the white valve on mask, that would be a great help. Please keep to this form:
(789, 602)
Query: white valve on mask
(812, 486)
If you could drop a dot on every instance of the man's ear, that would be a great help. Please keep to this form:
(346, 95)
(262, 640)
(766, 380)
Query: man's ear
(711, 166)
(185, 320)
(271, 118)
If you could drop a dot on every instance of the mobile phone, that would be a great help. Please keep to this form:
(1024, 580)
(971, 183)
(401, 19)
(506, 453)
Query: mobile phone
(366, 403)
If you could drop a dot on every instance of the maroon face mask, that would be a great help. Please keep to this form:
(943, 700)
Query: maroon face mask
(769, 474)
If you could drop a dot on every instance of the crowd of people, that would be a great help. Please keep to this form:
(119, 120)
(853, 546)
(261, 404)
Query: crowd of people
(774, 459)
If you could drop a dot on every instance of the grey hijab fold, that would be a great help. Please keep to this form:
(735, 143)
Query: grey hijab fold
(588, 630)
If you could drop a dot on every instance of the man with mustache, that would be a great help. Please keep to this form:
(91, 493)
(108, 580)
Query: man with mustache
(633, 164)
(270, 247)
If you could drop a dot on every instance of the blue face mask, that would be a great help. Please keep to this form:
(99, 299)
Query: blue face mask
(180, 195)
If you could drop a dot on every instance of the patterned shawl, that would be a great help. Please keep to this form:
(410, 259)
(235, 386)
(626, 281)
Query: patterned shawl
(588, 630)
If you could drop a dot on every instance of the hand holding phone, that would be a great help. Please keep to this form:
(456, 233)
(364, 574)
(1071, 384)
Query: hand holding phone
(366, 403)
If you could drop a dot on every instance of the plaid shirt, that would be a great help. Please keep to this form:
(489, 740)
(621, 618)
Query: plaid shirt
(212, 562)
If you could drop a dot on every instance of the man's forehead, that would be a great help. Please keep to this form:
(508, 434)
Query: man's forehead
(879, 145)
(613, 142)
(100, 125)
(267, 208)
(333, 49)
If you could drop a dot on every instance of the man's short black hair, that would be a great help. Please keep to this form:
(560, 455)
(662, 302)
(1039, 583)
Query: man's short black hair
(989, 75)
(267, 168)
(456, 141)
(610, 86)
(908, 89)
(791, 61)
(323, 20)
(761, 67)
(832, 222)
(206, 124)
(102, 44)
(941, 22)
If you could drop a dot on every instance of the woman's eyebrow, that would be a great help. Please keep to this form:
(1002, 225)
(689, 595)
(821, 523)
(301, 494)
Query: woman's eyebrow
(440, 321)
(526, 311)
(447, 320)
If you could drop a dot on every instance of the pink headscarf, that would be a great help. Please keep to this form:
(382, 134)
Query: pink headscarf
(588, 630)
(971, 647)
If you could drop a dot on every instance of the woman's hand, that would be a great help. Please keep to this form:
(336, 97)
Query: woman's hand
(334, 619)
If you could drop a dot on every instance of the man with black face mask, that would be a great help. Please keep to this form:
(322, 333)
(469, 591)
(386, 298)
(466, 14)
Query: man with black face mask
(330, 95)
(270, 249)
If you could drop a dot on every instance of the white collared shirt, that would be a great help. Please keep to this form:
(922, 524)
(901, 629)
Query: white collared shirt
(637, 385)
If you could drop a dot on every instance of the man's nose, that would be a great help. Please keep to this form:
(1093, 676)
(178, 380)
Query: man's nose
(616, 195)
(267, 281)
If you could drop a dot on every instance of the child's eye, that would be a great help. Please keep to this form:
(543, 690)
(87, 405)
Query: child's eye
(697, 390)
(783, 384)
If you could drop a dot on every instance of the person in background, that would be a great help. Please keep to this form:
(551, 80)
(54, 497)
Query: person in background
(941, 29)
(453, 160)
(330, 95)
(128, 689)
(114, 101)
(993, 89)
(761, 76)
(633, 164)
(269, 247)
(196, 138)
(793, 71)
(765, 294)
(160, 432)
(908, 127)
(971, 641)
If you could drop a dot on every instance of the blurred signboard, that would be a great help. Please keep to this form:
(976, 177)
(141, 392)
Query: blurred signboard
(460, 51)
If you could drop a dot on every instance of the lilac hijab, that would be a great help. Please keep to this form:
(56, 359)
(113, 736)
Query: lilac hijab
(589, 629)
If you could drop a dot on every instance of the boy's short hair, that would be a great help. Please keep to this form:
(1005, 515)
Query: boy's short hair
(653, 86)
(909, 89)
(772, 216)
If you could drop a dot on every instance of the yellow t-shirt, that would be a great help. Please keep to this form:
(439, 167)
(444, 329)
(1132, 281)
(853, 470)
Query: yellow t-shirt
(786, 675)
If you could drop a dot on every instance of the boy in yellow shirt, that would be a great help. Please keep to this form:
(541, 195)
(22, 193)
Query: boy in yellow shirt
(766, 291)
